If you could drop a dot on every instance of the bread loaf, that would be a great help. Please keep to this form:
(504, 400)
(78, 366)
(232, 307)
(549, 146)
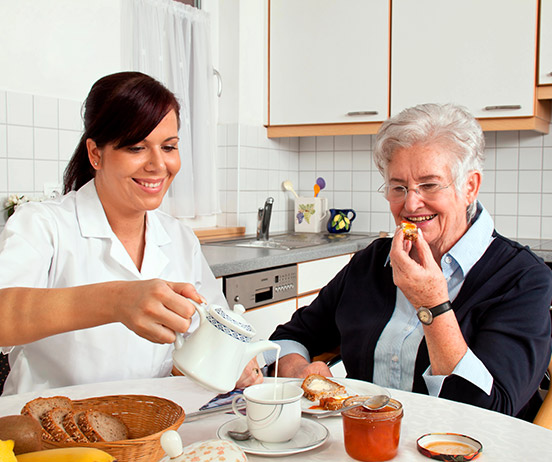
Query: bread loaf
(317, 386)
(99, 427)
(38, 407)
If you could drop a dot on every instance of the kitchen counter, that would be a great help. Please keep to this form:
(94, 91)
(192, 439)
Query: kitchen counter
(226, 260)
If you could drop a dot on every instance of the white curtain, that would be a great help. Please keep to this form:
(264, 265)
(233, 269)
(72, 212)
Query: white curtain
(171, 42)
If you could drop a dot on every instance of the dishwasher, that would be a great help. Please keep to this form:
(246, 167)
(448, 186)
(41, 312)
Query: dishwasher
(258, 288)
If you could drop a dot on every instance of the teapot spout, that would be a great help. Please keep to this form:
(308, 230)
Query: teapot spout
(255, 348)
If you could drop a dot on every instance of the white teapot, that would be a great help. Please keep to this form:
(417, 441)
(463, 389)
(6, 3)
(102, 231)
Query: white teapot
(215, 354)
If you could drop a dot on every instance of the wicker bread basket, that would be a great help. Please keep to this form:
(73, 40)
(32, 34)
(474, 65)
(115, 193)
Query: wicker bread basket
(146, 417)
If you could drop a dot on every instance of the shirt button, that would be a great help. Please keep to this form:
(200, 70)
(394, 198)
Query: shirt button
(395, 359)
(448, 259)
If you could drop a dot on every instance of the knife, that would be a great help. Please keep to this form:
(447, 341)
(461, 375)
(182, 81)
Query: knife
(207, 412)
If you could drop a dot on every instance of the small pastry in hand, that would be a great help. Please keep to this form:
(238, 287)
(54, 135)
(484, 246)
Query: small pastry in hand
(410, 230)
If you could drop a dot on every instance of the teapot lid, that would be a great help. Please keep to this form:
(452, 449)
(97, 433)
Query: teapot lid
(231, 321)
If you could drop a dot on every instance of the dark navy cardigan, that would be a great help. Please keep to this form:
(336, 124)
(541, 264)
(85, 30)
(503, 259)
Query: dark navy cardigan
(502, 309)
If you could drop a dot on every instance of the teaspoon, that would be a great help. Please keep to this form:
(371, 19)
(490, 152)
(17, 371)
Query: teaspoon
(372, 403)
(239, 436)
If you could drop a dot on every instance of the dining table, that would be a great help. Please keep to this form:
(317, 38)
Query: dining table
(502, 437)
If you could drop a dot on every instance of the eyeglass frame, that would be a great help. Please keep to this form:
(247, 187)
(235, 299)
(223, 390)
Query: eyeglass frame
(406, 189)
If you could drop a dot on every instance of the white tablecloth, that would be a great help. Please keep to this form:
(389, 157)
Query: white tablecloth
(504, 438)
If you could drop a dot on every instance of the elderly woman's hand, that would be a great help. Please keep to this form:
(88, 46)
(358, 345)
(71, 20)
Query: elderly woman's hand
(251, 375)
(155, 309)
(416, 272)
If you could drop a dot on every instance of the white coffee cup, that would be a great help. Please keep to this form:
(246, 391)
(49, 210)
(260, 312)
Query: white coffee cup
(273, 411)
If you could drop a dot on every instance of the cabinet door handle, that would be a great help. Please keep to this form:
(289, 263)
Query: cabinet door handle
(356, 113)
(503, 106)
(219, 81)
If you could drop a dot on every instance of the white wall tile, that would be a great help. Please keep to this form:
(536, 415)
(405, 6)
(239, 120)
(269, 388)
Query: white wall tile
(506, 225)
(488, 201)
(20, 175)
(507, 139)
(530, 138)
(490, 159)
(46, 113)
(546, 229)
(3, 116)
(547, 158)
(488, 182)
(527, 227)
(343, 160)
(307, 144)
(530, 181)
(307, 161)
(3, 180)
(343, 181)
(361, 181)
(20, 142)
(547, 205)
(507, 158)
(324, 160)
(324, 143)
(46, 171)
(547, 181)
(68, 141)
(46, 143)
(530, 158)
(342, 200)
(343, 143)
(506, 204)
(3, 140)
(362, 142)
(362, 160)
(19, 109)
(506, 181)
(70, 115)
(529, 205)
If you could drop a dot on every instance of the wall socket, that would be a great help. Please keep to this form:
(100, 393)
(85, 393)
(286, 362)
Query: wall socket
(52, 190)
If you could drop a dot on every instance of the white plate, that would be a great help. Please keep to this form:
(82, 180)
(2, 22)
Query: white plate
(353, 387)
(311, 434)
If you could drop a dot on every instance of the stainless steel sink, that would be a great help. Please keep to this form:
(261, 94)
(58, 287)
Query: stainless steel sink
(292, 241)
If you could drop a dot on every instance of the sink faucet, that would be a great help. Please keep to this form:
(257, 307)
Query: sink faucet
(263, 220)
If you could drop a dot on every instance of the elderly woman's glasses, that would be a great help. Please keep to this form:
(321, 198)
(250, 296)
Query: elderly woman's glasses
(398, 193)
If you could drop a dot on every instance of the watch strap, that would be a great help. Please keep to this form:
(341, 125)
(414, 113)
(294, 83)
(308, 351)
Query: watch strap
(440, 309)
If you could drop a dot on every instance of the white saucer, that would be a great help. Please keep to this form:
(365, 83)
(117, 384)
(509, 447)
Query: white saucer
(311, 434)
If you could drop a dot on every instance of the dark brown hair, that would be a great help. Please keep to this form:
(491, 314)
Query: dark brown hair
(121, 109)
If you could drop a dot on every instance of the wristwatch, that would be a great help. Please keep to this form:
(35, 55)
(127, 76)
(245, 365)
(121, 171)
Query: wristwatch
(426, 315)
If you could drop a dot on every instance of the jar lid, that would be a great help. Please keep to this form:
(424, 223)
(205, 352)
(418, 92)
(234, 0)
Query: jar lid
(449, 446)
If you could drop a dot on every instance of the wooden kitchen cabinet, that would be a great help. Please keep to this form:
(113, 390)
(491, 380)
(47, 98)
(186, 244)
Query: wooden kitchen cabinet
(328, 64)
(478, 54)
(325, 62)
(545, 51)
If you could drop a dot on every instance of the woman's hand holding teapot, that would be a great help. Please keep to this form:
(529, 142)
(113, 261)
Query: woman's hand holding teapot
(154, 309)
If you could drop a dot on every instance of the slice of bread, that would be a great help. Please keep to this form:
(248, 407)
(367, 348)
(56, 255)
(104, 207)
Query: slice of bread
(332, 403)
(98, 427)
(40, 406)
(72, 428)
(317, 386)
(52, 422)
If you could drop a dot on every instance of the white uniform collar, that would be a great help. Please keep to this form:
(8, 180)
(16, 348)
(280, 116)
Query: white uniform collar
(93, 221)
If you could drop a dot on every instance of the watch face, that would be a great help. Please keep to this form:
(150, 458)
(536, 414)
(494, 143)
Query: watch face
(425, 316)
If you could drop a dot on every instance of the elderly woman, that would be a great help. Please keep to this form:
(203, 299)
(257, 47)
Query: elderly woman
(461, 312)
(95, 284)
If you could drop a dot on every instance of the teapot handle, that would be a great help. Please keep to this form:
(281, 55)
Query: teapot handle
(202, 316)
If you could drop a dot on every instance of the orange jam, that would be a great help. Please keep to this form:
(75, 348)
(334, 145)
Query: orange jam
(372, 435)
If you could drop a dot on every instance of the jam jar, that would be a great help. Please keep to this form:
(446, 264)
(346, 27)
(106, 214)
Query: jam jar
(372, 435)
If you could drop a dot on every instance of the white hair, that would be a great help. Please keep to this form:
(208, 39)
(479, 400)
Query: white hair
(448, 125)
